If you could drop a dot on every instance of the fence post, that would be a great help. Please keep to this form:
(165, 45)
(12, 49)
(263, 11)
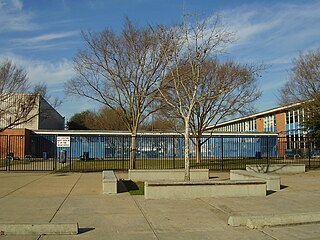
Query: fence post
(123, 153)
(309, 152)
(222, 153)
(173, 153)
(267, 150)
(55, 153)
(6, 159)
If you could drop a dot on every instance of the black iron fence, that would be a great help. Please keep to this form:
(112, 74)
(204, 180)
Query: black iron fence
(97, 153)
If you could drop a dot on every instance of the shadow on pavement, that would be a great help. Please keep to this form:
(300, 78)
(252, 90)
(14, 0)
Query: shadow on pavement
(84, 230)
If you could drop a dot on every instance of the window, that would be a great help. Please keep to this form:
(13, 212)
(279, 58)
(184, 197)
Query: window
(269, 123)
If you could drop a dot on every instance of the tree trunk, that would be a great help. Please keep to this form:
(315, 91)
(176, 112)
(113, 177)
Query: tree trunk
(198, 149)
(133, 151)
(186, 152)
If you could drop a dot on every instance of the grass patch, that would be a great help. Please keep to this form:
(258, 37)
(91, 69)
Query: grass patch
(134, 188)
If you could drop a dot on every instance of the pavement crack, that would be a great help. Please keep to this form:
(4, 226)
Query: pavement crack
(65, 198)
(269, 235)
(145, 216)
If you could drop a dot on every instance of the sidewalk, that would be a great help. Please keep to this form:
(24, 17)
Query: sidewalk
(76, 197)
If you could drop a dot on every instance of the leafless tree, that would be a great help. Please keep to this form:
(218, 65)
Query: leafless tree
(226, 89)
(192, 47)
(17, 102)
(304, 87)
(122, 71)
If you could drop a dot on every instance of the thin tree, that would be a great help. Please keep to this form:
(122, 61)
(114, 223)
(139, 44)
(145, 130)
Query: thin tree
(304, 87)
(123, 72)
(192, 46)
(17, 101)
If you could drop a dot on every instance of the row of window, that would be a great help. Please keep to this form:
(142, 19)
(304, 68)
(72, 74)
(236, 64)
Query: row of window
(244, 126)
(293, 120)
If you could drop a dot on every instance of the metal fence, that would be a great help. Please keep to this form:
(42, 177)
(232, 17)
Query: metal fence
(102, 152)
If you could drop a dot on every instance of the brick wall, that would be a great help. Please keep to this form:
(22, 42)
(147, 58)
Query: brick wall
(260, 124)
(281, 124)
(281, 128)
(16, 141)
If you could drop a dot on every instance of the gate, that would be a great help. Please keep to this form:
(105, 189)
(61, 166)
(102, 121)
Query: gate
(27, 153)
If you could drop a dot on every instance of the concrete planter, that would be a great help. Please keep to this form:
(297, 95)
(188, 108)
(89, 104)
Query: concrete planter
(138, 175)
(276, 168)
(273, 181)
(198, 189)
(109, 182)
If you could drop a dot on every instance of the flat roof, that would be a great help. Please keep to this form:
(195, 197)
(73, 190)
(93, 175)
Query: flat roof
(126, 133)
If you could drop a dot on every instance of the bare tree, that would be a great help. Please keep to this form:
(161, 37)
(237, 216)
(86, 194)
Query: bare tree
(226, 89)
(122, 72)
(192, 47)
(304, 87)
(17, 102)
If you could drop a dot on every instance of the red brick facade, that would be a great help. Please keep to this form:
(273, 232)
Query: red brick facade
(16, 141)
(260, 124)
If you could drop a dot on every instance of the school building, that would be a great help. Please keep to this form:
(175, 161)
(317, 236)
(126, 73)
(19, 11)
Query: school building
(16, 139)
(285, 121)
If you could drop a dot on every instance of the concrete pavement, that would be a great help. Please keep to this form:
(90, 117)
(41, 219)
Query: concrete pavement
(77, 198)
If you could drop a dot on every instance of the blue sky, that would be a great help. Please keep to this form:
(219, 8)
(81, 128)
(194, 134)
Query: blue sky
(43, 36)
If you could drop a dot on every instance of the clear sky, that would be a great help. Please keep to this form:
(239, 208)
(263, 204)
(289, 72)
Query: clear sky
(43, 36)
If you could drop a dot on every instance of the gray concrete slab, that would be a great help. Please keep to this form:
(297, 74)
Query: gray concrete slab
(77, 197)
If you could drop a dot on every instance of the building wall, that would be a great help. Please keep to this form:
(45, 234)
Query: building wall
(260, 124)
(10, 103)
(49, 118)
(281, 128)
(281, 123)
(42, 116)
(16, 141)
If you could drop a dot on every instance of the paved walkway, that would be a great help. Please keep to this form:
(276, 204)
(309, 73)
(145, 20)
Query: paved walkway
(76, 197)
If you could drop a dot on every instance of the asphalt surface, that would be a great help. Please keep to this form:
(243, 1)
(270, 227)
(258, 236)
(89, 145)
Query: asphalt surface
(41, 198)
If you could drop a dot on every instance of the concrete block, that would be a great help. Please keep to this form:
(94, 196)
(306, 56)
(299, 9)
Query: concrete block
(198, 189)
(276, 168)
(273, 181)
(39, 229)
(109, 182)
(166, 174)
(274, 220)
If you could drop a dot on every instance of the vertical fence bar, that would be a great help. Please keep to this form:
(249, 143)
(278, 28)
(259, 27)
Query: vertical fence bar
(268, 150)
(309, 152)
(123, 153)
(173, 152)
(222, 153)
(7, 159)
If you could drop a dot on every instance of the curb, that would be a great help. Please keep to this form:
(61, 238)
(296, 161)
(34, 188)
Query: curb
(39, 229)
(274, 220)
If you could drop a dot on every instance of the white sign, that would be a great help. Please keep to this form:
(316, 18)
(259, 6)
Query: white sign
(63, 141)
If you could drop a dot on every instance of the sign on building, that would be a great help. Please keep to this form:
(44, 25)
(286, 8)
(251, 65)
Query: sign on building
(63, 141)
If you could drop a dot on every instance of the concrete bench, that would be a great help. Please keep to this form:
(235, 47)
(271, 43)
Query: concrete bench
(276, 168)
(273, 181)
(201, 189)
(139, 175)
(109, 182)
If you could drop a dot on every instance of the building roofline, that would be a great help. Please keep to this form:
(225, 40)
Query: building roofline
(111, 132)
(272, 110)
